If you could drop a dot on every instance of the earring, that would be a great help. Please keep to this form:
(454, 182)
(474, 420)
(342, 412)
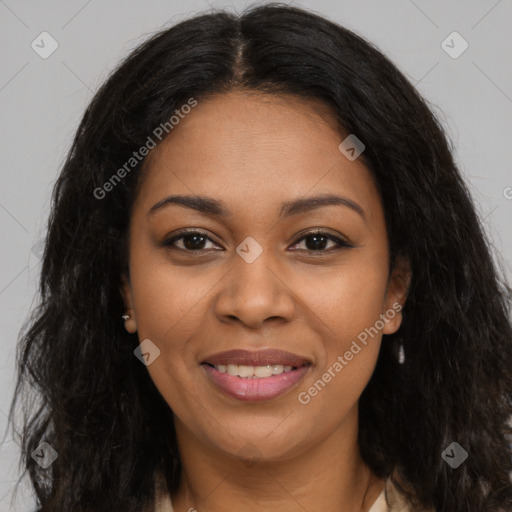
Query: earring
(129, 323)
(401, 353)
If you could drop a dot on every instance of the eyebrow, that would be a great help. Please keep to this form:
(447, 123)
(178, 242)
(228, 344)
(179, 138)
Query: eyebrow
(210, 206)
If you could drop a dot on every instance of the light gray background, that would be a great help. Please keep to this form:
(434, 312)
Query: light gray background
(42, 100)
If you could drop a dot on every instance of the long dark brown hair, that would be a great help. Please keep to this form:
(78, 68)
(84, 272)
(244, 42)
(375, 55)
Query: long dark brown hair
(97, 406)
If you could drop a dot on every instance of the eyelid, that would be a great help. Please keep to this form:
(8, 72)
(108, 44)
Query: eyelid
(168, 242)
(340, 240)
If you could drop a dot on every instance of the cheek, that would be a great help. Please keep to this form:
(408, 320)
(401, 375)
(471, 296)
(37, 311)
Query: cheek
(347, 299)
(335, 390)
(170, 312)
(350, 311)
(169, 299)
(167, 306)
(349, 305)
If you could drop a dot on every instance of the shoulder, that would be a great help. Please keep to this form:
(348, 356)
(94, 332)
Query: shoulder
(389, 500)
(162, 498)
(392, 500)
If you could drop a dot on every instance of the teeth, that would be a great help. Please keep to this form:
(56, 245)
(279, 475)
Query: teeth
(254, 372)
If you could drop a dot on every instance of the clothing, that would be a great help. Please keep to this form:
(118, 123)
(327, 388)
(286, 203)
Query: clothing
(389, 500)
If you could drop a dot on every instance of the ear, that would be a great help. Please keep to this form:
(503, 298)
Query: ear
(396, 294)
(130, 323)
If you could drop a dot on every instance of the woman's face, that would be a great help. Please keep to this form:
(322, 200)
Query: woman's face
(251, 281)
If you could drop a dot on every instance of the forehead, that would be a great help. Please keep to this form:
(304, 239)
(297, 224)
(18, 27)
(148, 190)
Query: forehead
(247, 148)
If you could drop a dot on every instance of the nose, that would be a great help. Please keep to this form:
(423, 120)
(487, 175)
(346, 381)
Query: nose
(253, 293)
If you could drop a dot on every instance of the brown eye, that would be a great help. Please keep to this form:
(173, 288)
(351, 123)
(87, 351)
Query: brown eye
(190, 241)
(317, 241)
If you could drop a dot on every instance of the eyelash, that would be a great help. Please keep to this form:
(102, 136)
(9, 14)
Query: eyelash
(342, 244)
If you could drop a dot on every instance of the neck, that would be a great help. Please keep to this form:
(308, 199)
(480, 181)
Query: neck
(328, 476)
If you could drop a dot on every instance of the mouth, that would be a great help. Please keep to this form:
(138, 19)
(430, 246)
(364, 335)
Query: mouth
(255, 376)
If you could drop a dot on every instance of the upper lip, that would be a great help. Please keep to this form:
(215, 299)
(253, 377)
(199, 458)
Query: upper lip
(259, 358)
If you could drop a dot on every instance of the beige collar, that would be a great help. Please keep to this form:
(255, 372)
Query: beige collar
(389, 500)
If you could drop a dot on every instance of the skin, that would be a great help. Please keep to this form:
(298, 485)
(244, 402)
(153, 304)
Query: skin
(254, 152)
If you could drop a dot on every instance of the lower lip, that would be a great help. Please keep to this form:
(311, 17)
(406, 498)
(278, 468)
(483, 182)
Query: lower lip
(256, 390)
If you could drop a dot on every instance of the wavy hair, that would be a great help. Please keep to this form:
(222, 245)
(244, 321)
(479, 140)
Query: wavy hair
(86, 394)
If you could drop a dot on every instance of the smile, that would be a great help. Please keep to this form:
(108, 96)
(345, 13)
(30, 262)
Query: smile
(255, 383)
(253, 372)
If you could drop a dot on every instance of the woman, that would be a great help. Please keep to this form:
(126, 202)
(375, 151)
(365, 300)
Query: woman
(265, 286)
